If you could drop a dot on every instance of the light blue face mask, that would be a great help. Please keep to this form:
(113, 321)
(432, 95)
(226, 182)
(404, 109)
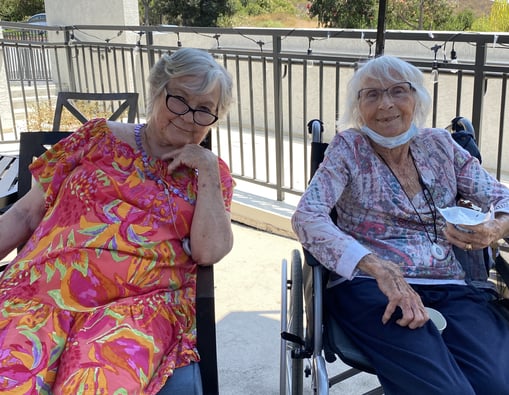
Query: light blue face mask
(390, 142)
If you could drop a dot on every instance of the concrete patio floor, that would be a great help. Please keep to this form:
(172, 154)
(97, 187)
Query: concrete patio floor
(248, 300)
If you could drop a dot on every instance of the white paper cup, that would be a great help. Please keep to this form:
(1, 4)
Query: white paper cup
(437, 318)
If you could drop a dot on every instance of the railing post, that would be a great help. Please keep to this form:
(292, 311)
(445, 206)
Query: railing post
(278, 119)
(479, 88)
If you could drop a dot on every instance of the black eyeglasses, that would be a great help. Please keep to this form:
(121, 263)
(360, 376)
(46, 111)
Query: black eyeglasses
(178, 105)
(398, 91)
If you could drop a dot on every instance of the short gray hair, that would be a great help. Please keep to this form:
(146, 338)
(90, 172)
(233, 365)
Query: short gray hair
(387, 69)
(191, 62)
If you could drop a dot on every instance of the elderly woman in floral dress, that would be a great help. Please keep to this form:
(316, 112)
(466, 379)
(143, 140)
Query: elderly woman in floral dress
(101, 299)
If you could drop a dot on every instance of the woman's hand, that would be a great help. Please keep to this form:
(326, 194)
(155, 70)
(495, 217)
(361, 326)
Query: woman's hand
(476, 237)
(211, 234)
(191, 155)
(400, 294)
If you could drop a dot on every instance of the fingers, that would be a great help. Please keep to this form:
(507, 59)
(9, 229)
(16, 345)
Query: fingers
(413, 313)
(191, 155)
(469, 237)
(414, 317)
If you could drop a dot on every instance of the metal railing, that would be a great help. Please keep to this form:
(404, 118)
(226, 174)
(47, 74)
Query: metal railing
(283, 78)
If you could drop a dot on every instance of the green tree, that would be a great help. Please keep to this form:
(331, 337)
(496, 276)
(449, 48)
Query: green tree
(185, 12)
(496, 21)
(418, 14)
(461, 21)
(348, 14)
(20, 10)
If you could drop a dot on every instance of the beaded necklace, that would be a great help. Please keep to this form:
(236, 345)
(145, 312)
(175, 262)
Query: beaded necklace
(168, 189)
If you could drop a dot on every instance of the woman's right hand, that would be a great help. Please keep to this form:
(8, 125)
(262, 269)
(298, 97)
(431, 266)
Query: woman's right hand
(400, 294)
(19, 222)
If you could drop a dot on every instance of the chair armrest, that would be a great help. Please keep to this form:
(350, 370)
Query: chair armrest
(310, 259)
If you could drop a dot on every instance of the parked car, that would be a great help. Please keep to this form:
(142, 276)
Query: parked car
(38, 19)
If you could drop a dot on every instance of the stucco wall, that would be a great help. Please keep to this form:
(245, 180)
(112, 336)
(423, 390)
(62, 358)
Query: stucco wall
(93, 12)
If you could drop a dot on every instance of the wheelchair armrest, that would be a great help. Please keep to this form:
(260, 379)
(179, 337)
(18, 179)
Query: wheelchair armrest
(502, 267)
(310, 259)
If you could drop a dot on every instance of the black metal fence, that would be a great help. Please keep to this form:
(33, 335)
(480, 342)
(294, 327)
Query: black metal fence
(283, 78)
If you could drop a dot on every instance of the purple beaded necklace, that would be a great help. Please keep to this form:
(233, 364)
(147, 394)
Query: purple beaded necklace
(168, 189)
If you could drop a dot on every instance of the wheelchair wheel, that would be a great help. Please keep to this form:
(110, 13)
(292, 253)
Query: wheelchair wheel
(292, 321)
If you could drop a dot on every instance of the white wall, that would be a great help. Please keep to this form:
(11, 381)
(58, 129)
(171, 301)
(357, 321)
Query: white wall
(92, 12)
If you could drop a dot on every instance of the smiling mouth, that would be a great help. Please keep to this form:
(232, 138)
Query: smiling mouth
(388, 119)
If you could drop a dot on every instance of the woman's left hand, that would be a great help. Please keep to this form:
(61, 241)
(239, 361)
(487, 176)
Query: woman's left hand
(191, 155)
(476, 237)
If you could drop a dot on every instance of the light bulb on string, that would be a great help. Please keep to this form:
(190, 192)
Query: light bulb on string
(309, 62)
(137, 47)
(216, 37)
(370, 44)
(434, 72)
(434, 67)
(454, 59)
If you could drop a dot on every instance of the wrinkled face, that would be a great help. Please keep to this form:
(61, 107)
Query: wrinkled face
(387, 108)
(181, 117)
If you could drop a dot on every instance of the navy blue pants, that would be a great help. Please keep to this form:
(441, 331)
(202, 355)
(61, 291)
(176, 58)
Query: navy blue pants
(470, 357)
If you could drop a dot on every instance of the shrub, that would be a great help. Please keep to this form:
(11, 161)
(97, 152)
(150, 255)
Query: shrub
(42, 114)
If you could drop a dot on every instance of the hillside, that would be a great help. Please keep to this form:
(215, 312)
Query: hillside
(479, 7)
(301, 20)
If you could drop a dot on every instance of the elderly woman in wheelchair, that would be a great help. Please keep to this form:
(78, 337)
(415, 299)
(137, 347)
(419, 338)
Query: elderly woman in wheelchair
(390, 251)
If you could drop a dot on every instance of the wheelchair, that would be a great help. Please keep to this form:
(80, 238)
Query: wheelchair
(322, 340)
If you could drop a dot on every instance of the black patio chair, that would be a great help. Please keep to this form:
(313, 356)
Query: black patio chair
(117, 103)
(8, 181)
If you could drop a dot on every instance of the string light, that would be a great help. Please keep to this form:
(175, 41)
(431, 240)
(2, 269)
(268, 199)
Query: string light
(216, 37)
(454, 58)
(137, 47)
(434, 68)
(309, 62)
(370, 44)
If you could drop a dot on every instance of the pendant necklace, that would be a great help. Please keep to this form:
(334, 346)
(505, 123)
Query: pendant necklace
(437, 251)
(169, 190)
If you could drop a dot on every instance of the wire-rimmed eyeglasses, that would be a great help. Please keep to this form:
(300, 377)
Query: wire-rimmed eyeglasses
(178, 105)
(398, 91)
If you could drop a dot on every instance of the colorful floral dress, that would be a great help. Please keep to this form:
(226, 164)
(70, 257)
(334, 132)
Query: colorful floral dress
(101, 300)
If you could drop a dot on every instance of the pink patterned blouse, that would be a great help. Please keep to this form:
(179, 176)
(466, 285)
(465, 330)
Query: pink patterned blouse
(102, 297)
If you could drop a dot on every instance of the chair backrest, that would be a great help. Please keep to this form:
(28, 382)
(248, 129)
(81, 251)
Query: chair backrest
(124, 100)
(8, 181)
(32, 145)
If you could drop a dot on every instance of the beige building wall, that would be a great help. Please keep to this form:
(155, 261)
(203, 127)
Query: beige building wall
(93, 12)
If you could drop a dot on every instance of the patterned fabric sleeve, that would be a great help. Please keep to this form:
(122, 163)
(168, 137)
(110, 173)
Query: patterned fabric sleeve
(52, 167)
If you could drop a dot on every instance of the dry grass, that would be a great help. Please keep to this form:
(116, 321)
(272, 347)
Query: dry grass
(41, 115)
(479, 7)
(281, 21)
